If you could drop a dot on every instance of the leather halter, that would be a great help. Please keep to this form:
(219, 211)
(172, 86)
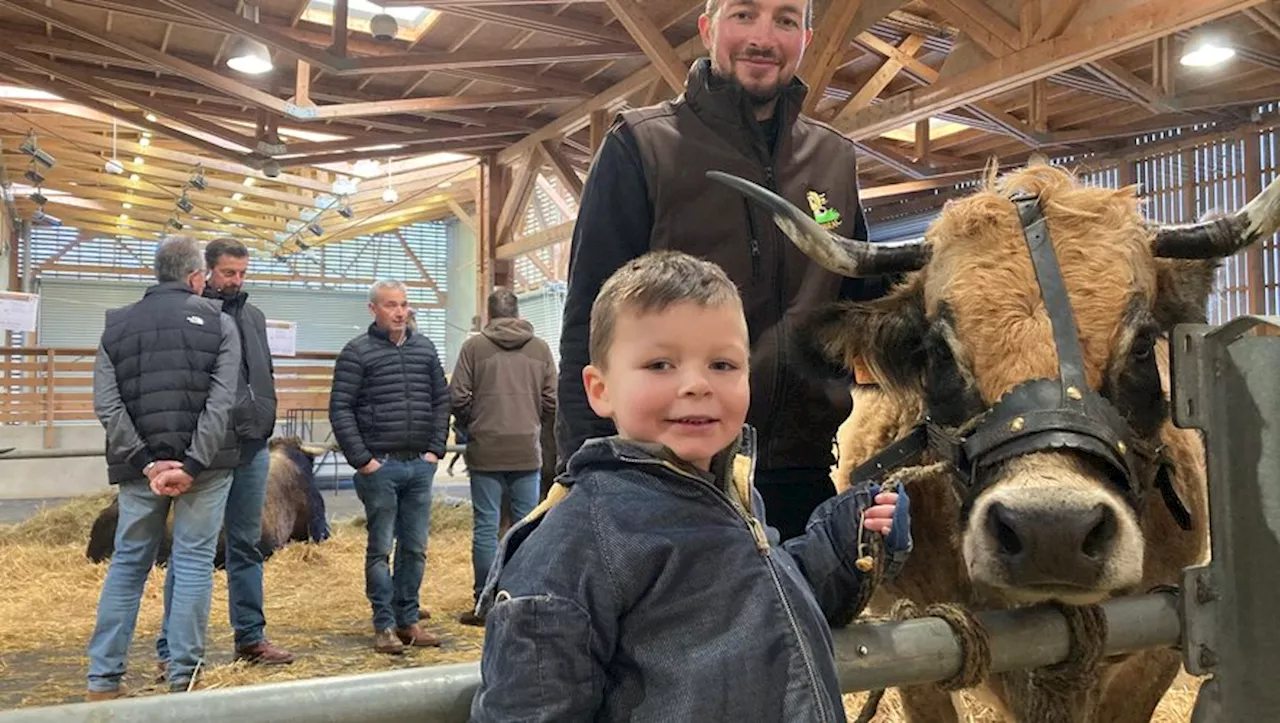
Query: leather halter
(1041, 415)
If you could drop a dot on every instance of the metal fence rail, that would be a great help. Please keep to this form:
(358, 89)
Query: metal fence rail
(868, 656)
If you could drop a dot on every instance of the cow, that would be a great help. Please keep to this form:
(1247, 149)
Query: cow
(1020, 369)
(292, 512)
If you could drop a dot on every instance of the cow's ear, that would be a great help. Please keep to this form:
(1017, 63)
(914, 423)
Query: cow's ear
(1182, 291)
(887, 334)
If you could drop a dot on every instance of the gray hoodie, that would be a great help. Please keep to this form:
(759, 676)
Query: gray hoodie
(503, 390)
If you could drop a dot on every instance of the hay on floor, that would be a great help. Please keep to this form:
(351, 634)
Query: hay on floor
(315, 606)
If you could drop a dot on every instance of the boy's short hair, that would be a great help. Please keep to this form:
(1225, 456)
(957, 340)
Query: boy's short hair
(653, 283)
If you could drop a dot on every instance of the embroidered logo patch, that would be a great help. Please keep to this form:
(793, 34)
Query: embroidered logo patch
(196, 320)
(828, 218)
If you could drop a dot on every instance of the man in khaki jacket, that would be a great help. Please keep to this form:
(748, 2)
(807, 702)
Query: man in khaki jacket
(503, 390)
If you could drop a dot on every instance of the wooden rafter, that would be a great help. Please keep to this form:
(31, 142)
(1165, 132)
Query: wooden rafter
(882, 77)
(1126, 29)
(562, 169)
(825, 53)
(648, 36)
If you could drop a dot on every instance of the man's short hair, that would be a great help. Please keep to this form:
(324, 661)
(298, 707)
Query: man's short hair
(177, 257)
(381, 284)
(653, 283)
(503, 304)
(713, 7)
(220, 247)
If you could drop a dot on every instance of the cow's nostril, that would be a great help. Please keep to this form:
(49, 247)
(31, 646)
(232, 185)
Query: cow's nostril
(1006, 537)
(1102, 532)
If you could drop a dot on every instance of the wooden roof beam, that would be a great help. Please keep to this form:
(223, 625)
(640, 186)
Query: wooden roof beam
(1059, 16)
(578, 117)
(650, 39)
(543, 22)
(84, 99)
(985, 26)
(562, 169)
(1121, 31)
(88, 84)
(983, 110)
(825, 52)
(128, 46)
(1266, 17)
(882, 77)
(155, 152)
(881, 151)
(1140, 91)
(468, 145)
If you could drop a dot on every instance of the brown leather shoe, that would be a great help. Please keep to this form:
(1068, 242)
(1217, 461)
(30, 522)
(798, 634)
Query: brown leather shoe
(417, 637)
(386, 641)
(93, 696)
(264, 653)
(470, 618)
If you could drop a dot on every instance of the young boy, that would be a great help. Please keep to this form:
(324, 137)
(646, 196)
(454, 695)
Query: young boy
(646, 586)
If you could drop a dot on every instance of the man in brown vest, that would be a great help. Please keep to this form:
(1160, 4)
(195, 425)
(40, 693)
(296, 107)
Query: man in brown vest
(739, 113)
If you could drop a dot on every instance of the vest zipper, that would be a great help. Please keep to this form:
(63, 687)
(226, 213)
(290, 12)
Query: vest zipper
(762, 545)
(752, 240)
(780, 360)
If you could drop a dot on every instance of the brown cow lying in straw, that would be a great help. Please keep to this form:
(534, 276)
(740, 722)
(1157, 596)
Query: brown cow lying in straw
(293, 510)
(1022, 369)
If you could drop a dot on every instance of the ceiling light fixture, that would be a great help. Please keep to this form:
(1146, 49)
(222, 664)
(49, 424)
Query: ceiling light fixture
(247, 55)
(1205, 51)
(389, 195)
(113, 165)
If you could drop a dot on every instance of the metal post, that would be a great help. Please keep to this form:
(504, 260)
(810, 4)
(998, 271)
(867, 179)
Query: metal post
(924, 650)
(868, 656)
(1225, 384)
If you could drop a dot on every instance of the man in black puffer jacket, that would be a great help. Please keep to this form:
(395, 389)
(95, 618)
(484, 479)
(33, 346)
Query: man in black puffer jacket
(390, 408)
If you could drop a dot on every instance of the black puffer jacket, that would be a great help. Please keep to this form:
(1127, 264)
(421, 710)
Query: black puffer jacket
(389, 398)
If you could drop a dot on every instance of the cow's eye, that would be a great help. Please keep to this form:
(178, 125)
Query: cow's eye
(1144, 345)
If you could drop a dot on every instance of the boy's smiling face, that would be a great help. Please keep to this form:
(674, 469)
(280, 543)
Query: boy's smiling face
(677, 377)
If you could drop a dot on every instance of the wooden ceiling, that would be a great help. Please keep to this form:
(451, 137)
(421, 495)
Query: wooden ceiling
(528, 83)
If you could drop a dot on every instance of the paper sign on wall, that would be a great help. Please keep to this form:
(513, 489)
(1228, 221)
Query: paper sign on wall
(282, 338)
(18, 311)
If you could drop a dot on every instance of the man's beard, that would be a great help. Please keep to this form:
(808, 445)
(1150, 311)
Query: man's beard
(228, 292)
(757, 98)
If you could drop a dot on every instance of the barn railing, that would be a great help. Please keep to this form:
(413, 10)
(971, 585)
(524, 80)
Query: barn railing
(48, 386)
(1221, 619)
(868, 656)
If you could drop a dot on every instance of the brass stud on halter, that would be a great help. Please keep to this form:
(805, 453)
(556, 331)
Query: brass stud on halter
(1017, 424)
(1074, 393)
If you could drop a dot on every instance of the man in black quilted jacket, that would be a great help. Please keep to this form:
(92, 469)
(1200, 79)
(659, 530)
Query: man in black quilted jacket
(389, 408)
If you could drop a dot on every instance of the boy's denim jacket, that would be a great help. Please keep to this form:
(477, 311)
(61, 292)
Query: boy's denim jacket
(643, 590)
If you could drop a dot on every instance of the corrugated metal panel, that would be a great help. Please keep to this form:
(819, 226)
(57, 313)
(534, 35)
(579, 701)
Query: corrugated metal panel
(900, 229)
(543, 309)
(72, 312)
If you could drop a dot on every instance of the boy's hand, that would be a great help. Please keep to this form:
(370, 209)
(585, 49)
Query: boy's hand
(890, 515)
(879, 517)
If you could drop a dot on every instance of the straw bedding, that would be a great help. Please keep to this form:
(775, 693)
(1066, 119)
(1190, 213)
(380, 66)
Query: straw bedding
(315, 607)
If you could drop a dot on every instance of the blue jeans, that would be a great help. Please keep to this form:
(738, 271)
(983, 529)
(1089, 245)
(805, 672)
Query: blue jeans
(397, 508)
(197, 518)
(242, 522)
(486, 502)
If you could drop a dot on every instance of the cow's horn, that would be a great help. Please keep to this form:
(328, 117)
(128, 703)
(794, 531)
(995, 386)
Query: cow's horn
(849, 257)
(313, 450)
(1222, 237)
